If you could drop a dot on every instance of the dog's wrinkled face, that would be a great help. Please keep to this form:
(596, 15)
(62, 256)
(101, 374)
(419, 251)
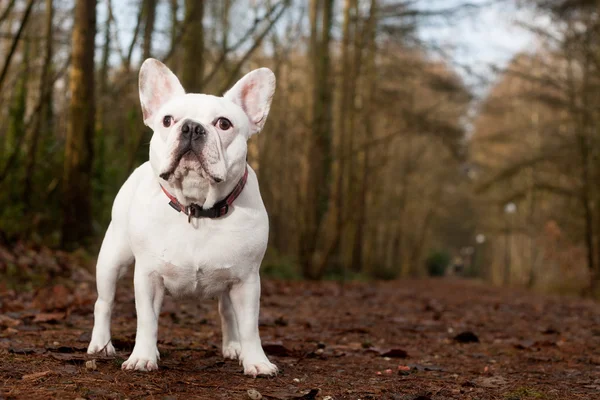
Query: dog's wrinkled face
(199, 140)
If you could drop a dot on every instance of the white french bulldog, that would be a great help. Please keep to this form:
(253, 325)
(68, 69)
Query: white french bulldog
(192, 217)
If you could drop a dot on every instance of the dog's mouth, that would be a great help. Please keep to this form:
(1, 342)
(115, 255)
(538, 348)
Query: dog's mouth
(188, 160)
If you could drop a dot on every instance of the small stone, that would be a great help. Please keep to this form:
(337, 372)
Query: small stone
(91, 364)
(55, 343)
(327, 398)
(319, 351)
(254, 394)
(296, 380)
(388, 371)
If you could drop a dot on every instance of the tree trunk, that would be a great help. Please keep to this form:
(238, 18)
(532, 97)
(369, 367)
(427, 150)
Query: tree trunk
(134, 38)
(193, 46)
(15, 42)
(174, 32)
(77, 200)
(41, 126)
(149, 18)
(320, 144)
(368, 121)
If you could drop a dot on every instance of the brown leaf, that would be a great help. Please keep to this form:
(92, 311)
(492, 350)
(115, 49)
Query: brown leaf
(282, 395)
(36, 375)
(57, 297)
(491, 382)
(26, 350)
(276, 349)
(75, 358)
(67, 349)
(8, 322)
(49, 317)
(392, 353)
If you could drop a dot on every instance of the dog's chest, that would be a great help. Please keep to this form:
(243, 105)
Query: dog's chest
(194, 260)
(196, 281)
(194, 264)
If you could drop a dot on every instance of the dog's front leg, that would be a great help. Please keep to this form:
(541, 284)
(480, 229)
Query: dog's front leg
(229, 328)
(149, 293)
(245, 300)
(115, 256)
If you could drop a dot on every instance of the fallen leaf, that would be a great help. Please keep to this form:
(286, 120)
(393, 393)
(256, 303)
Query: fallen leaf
(491, 382)
(276, 349)
(49, 317)
(67, 349)
(26, 350)
(8, 322)
(394, 353)
(254, 394)
(282, 395)
(91, 365)
(419, 367)
(76, 358)
(310, 395)
(35, 375)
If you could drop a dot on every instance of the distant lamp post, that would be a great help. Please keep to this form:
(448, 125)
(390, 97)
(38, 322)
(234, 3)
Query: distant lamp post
(480, 238)
(509, 210)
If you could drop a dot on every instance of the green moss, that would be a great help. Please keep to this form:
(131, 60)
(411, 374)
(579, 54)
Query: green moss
(524, 393)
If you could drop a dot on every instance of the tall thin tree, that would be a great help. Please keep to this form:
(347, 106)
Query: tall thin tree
(193, 46)
(76, 184)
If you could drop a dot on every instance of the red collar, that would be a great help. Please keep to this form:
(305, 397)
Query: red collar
(218, 210)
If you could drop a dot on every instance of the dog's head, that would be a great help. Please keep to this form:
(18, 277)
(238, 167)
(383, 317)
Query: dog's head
(199, 140)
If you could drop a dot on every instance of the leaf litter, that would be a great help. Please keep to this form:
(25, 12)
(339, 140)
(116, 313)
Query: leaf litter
(370, 341)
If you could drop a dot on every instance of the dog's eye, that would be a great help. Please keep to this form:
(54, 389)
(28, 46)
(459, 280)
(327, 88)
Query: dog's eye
(223, 124)
(167, 121)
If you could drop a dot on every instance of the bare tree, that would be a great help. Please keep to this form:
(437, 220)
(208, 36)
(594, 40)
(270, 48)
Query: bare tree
(77, 195)
(192, 73)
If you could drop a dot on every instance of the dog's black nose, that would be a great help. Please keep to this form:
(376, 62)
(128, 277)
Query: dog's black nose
(192, 130)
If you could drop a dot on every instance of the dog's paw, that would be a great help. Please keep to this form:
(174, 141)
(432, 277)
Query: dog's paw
(265, 367)
(232, 350)
(139, 364)
(105, 348)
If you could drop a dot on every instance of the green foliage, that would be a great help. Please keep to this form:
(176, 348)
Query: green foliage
(278, 266)
(437, 262)
(339, 274)
(524, 393)
(385, 273)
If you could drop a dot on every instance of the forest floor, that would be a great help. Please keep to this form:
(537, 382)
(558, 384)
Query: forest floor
(410, 339)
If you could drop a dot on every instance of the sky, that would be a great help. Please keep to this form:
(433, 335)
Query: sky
(471, 41)
(488, 35)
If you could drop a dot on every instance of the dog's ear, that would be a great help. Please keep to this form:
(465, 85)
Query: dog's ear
(157, 86)
(253, 93)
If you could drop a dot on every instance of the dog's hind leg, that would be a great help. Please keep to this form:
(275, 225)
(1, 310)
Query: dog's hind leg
(229, 328)
(114, 258)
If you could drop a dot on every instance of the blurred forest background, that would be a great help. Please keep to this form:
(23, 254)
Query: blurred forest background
(380, 158)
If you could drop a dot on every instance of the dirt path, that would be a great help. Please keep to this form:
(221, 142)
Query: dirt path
(346, 346)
